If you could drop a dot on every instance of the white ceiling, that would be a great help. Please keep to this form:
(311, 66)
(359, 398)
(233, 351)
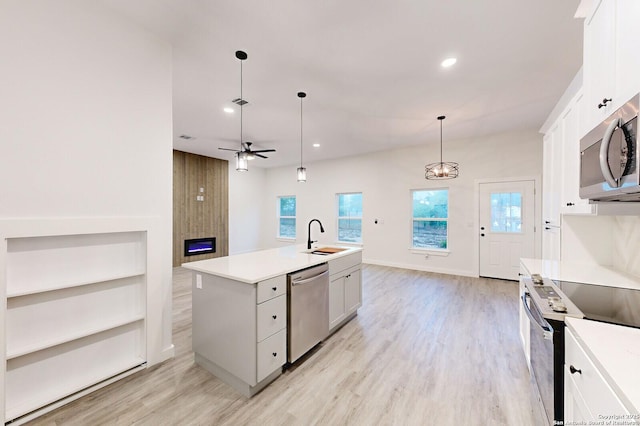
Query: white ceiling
(371, 70)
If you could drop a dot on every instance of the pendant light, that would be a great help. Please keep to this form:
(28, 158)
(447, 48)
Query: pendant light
(302, 172)
(242, 163)
(441, 169)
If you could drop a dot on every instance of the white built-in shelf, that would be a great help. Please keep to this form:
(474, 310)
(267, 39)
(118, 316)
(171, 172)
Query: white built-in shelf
(25, 350)
(46, 376)
(63, 285)
(75, 313)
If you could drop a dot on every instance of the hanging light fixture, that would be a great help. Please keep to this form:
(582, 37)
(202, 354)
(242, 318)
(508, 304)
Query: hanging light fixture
(302, 172)
(442, 169)
(242, 163)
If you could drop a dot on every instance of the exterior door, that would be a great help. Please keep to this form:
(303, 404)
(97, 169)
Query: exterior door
(506, 227)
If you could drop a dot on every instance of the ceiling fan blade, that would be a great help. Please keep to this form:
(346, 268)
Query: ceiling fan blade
(227, 149)
(264, 150)
(259, 155)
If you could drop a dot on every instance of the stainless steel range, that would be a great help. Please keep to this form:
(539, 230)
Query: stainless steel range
(548, 303)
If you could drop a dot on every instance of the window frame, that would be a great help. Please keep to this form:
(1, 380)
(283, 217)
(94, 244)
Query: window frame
(431, 250)
(338, 217)
(278, 217)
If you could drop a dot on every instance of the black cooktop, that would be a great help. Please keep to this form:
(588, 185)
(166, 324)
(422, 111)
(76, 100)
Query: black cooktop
(604, 303)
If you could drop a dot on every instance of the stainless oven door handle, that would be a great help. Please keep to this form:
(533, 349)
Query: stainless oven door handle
(547, 331)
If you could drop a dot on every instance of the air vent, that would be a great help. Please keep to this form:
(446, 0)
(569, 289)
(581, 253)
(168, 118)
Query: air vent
(239, 101)
(186, 137)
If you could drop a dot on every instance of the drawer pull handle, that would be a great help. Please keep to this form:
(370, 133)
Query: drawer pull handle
(574, 370)
(274, 288)
(274, 316)
(275, 354)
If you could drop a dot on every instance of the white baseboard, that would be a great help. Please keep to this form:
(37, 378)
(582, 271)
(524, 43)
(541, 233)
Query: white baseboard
(421, 268)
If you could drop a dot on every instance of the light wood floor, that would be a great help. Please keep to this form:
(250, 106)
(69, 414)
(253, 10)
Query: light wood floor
(425, 349)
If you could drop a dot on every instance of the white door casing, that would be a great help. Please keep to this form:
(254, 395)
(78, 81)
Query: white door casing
(507, 222)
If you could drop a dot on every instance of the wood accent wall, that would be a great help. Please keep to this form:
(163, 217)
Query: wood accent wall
(199, 219)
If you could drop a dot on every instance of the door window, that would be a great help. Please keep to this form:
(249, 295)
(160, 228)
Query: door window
(506, 212)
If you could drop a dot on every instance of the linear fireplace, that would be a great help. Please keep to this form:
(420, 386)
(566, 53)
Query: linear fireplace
(196, 246)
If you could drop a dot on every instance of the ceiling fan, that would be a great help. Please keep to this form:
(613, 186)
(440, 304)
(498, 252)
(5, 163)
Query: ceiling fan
(248, 152)
(245, 152)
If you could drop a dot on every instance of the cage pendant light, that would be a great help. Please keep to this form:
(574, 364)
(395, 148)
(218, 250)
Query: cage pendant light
(302, 172)
(242, 160)
(441, 169)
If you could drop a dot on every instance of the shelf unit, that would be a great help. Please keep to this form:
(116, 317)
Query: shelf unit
(75, 314)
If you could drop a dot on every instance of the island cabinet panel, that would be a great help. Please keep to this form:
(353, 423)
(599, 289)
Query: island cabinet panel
(345, 289)
(224, 324)
(240, 329)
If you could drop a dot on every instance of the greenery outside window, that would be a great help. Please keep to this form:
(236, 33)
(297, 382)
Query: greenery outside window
(350, 217)
(287, 217)
(430, 219)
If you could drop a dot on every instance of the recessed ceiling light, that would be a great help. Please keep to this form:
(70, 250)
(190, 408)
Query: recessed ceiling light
(228, 110)
(316, 145)
(448, 62)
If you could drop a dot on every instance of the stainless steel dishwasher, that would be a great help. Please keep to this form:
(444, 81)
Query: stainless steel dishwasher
(307, 309)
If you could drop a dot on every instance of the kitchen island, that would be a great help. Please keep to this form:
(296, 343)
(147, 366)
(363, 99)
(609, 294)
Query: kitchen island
(240, 309)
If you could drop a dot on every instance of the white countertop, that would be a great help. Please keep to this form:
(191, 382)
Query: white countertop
(615, 350)
(261, 265)
(588, 273)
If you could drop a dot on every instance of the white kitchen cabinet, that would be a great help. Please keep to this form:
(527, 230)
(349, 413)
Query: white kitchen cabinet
(611, 65)
(599, 63)
(240, 329)
(588, 396)
(75, 315)
(345, 289)
(551, 181)
(551, 243)
(571, 203)
(524, 319)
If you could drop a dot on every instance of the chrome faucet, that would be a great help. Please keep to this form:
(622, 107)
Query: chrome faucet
(309, 232)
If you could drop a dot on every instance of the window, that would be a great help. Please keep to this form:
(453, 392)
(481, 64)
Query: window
(287, 217)
(350, 218)
(430, 213)
(506, 212)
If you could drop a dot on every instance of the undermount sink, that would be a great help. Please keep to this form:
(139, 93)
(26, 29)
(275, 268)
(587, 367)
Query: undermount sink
(324, 251)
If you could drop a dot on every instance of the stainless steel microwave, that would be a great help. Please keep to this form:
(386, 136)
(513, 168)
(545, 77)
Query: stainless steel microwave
(609, 157)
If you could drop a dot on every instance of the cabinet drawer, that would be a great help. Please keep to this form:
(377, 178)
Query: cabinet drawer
(592, 386)
(271, 317)
(272, 354)
(345, 262)
(271, 288)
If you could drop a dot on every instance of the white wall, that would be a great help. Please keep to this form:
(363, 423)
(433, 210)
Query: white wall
(246, 206)
(86, 127)
(626, 244)
(385, 179)
(588, 239)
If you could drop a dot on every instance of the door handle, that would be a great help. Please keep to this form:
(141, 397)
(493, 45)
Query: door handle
(482, 228)
(547, 331)
(482, 235)
(604, 152)
(315, 277)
